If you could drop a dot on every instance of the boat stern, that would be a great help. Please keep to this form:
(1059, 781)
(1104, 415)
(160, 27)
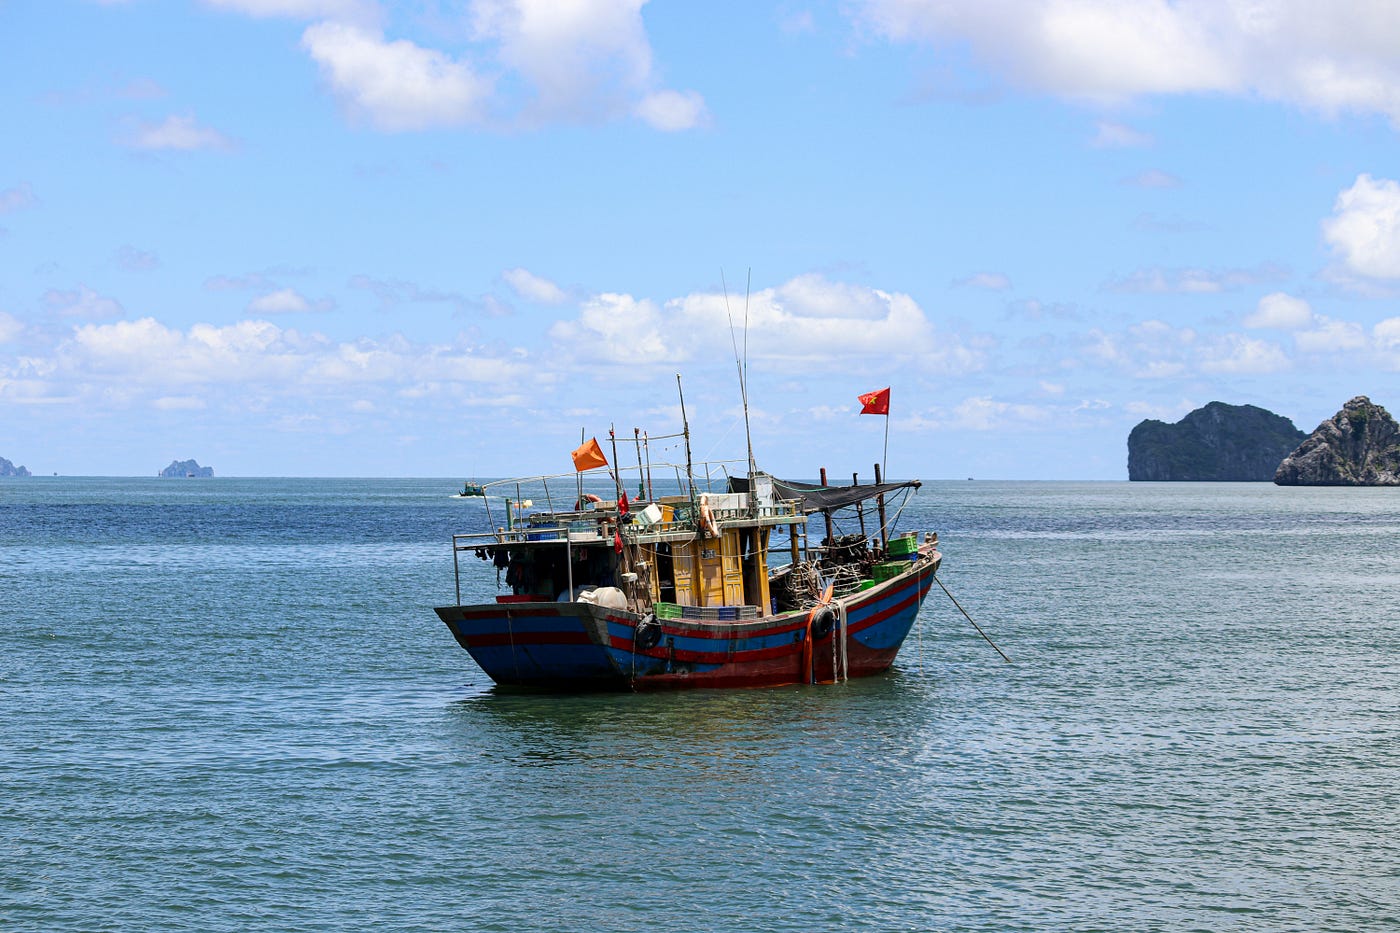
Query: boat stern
(542, 644)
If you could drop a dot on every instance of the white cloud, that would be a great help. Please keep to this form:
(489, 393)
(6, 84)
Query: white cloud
(1235, 353)
(803, 320)
(1364, 229)
(1386, 334)
(1280, 311)
(147, 356)
(992, 281)
(83, 303)
(10, 327)
(395, 85)
(584, 59)
(619, 329)
(1157, 350)
(1107, 50)
(1191, 281)
(531, 287)
(575, 61)
(1329, 336)
(673, 111)
(177, 132)
(983, 413)
(1342, 56)
(813, 296)
(251, 364)
(282, 301)
(1161, 412)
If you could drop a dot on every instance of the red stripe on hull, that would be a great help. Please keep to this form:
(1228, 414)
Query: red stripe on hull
(540, 645)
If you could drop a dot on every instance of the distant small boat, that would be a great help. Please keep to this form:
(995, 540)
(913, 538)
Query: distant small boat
(471, 491)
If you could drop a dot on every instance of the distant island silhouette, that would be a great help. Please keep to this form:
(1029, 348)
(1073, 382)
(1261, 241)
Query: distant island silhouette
(1358, 446)
(9, 469)
(185, 468)
(1214, 443)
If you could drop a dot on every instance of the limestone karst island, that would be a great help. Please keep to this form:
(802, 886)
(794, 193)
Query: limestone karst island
(184, 468)
(1359, 446)
(1216, 443)
(9, 469)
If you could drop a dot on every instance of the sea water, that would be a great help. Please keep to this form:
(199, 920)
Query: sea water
(227, 705)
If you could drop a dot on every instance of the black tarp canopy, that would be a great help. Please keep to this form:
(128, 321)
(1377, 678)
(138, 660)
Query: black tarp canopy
(816, 498)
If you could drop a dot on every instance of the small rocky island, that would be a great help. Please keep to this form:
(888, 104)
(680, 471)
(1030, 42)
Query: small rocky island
(9, 469)
(183, 468)
(1215, 443)
(1358, 446)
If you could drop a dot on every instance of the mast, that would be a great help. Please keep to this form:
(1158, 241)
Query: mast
(742, 364)
(616, 466)
(685, 426)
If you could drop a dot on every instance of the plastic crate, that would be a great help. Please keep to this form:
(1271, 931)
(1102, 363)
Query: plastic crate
(903, 546)
(719, 613)
(888, 570)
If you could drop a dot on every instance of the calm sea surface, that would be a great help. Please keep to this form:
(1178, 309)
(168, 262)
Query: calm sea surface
(227, 705)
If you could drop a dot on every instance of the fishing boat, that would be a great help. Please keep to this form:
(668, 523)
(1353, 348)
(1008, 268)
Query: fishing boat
(691, 589)
(471, 490)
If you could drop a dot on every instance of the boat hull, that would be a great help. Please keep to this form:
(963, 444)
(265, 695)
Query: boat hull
(580, 646)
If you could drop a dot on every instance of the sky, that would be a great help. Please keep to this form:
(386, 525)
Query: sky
(449, 238)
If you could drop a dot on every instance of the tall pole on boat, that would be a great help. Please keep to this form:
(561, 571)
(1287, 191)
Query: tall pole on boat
(616, 465)
(880, 503)
(830, 531)
(885, 455)
(651, 487)
(742, 364)
(685, 427)
(744, 392)
(578, 475)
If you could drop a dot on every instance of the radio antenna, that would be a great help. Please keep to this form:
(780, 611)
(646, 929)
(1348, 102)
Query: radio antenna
(742, 365)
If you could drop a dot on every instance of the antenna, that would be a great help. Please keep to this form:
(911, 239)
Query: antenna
(742, 365)
(689, 472)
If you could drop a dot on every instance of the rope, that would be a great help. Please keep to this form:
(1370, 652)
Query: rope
(835, 635)
(969, 618)
(845, 654)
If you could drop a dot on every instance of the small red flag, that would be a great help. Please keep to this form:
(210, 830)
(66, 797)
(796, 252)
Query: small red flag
(622, 505)
(588, 456)
(617, 541)
(875, 403)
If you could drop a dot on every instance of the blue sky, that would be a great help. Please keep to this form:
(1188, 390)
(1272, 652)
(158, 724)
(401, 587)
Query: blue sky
(432, 238)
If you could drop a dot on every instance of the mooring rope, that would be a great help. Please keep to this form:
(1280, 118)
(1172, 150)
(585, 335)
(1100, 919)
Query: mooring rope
(969, 618)
(845, 648)
(835, 637)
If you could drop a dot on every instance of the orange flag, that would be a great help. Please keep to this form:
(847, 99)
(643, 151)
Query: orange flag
(876, 403)
(588, 456)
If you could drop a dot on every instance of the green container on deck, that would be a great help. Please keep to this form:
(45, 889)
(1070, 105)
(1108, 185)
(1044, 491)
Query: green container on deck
(903, 546)
(888, 570)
